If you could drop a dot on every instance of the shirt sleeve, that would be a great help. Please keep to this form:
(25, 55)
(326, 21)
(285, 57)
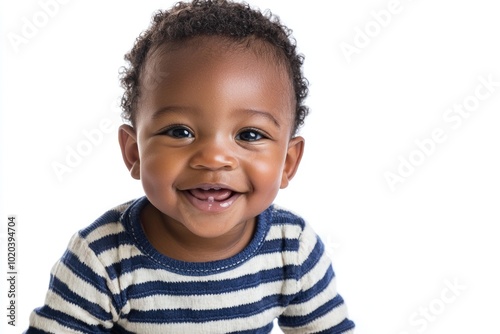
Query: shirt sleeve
(79, 299)
(317, 307)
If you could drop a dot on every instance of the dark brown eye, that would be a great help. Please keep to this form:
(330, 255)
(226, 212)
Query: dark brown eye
(179, 132)
(249, 135)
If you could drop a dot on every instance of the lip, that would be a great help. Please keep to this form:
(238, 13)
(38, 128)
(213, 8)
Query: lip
(210, 186)
(211, 205)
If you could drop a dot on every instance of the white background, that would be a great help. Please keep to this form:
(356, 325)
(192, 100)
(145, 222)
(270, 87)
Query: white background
(395, 251)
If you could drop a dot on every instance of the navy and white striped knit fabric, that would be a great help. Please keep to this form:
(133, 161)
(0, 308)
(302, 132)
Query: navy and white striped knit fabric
(111, 280)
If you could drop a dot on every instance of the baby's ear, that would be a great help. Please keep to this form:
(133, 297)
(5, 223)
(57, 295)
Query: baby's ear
(130, 151)
(292, 161)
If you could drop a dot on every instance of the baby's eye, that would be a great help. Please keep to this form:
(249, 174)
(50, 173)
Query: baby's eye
(250, 135)
(179, 132)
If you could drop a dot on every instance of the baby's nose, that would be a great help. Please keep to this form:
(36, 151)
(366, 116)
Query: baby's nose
(214, 155)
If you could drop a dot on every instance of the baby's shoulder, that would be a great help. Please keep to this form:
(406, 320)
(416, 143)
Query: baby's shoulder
(284, 216)
(285, 223)
(108, 223)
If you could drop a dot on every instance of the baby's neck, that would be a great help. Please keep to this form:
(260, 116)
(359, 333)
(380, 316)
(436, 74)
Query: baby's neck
(175, 241)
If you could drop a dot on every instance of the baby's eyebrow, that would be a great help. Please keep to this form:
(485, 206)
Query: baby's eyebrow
(165, 110)
(264, 114)
(253, 112)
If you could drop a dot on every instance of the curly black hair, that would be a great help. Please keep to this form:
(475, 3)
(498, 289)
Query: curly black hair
(235, 21)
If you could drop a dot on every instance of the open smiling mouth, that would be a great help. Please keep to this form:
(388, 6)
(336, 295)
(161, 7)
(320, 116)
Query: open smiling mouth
(211, 199)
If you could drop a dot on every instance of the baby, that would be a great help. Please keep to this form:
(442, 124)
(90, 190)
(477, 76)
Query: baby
(213, 98)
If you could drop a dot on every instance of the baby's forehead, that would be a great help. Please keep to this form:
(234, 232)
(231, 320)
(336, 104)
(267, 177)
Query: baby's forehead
(164, 58)
(227, 62)
(216, 45)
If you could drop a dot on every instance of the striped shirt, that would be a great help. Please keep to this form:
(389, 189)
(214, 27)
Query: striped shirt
(112, 280)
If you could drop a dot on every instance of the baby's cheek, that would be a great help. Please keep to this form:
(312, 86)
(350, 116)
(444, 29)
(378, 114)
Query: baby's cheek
(266, 177)
(153, 180)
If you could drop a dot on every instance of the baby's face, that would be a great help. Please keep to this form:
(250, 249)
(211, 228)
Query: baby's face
(212, 140)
